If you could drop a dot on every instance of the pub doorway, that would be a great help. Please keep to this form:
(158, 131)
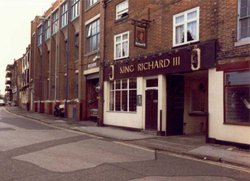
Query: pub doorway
(175, 104)
(151, 114)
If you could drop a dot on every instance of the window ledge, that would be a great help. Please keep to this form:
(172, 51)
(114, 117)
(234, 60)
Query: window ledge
(121, 19)
(186, 43)
(245, 41)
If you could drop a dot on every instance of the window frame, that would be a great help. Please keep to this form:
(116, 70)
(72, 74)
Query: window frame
(75, 13)
(64, 15)
(118, 14)
(226, 87)
(55, 22)
(47, 29)
(246, 40)
(185, 24)
(121, 90)
(39, 35)
(121, 42)
(88, 24)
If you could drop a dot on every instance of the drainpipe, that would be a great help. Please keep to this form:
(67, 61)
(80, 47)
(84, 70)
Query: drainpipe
(67, 64)
(101, 73)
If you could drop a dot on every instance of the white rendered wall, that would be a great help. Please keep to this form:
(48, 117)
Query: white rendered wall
(218, 130)
(124, 119)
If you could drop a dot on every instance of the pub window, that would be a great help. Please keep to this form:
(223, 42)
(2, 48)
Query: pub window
(75, 9)
(122, 10)
(39, 35)
(47, 29)
(93, 36)
(90, 3)
(123, 95)
(237, 97)
(64, 15)
(186, 27)
(55, 23)
(244, 19)
(121, 45)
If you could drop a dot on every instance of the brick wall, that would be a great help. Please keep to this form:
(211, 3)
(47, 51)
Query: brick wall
(160, 32)
(227, 32)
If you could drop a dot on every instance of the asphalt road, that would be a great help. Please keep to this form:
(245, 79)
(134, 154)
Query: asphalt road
(32, 151)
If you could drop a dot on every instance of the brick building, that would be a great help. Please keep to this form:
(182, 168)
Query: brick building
(171, 67)
(168, 67)
(66, 56)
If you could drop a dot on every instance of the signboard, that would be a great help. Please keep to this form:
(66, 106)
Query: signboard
(173, 61)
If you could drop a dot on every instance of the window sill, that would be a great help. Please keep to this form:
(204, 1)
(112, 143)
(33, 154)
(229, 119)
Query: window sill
(121, 19)
(245, 41)
(186, 43)
(121, 58)
(237, 123)
(92, 53)
(119, 112)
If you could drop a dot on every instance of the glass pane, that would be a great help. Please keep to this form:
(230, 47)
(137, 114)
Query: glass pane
(132, 100)
(192, 31)
(124, 84)
(118, 84)
(179, 37)
(125, 36)
(132, 83)
(179, 19)
(237, 104)
(111, 101)
(117, 101)
(117, 39)
(243, 8)
(237, 78)
(192, 15)
(118, 51)
(125, 49)
(125, 100)
(244, 28)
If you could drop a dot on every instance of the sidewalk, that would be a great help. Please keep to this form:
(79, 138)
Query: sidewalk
(194, 146)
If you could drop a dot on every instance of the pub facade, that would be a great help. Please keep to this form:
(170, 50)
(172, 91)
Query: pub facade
(157, 65)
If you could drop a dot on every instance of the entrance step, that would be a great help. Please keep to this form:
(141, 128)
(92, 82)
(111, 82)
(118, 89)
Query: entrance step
(150, 132)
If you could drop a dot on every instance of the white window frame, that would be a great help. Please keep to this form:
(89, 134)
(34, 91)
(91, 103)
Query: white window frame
(185, 23)
(64, 15)
(90, 35)
(47, 30)
(121, 42)
(75, 9)
(120, 90)
(39, 35)
(118, 14)
(241, 41)
(55, 22)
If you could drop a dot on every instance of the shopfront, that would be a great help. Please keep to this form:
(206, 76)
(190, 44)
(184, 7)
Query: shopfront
(165, 92)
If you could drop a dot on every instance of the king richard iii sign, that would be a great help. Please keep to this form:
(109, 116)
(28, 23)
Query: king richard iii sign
(173, 61)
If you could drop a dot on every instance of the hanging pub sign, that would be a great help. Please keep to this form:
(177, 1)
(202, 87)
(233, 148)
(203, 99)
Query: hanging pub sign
(140, 37)
(140, 32)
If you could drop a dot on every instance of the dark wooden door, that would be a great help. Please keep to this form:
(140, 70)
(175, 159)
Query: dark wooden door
(175, 105)
(151, 109)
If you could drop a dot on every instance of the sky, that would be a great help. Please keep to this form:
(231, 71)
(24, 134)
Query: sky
(15, 18)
